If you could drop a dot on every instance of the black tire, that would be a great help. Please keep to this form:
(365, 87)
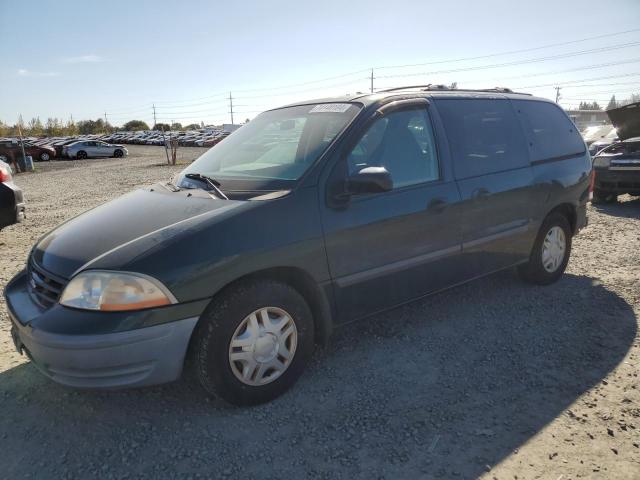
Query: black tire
(118, 153)
(81, 155)
(45, 157)
(602, 196)
(534, 271)
(209, 348)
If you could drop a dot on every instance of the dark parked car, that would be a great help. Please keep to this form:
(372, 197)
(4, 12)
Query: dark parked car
(617, 171)
(12, 205)
(37, 152)
(306, 218)
(59, 146)
(617, 167)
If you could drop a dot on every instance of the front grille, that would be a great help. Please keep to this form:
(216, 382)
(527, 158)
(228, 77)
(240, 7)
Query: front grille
(45, 288)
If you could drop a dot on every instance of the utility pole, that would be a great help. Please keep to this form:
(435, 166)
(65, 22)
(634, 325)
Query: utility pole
(558, 94)
(154, 115)
(372, 80)
(106, 122)
(231, 107)
(166, 147)
(24, 155)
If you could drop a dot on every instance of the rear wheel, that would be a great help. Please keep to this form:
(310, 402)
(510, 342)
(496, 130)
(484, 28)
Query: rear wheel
(81, 155)
(253, 342)
(550, 253)
(118, 153)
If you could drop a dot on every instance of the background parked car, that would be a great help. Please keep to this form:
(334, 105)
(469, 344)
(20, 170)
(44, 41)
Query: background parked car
(60, 144)
(11, 200)
(617, 170)
(94, 149)
(617, 167)
(13, 148)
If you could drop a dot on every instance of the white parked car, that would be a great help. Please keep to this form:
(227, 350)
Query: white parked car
(93, 149)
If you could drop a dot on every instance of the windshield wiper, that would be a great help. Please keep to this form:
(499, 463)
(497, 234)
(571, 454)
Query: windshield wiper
(212, 182)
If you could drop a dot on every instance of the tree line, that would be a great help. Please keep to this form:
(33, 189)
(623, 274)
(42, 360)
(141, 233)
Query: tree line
(613, 103)
(55, 127)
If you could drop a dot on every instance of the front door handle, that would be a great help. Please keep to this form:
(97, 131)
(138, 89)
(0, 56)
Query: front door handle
(437, 205)
(480, 194)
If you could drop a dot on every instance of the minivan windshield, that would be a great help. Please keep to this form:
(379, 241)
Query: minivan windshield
(273, 150)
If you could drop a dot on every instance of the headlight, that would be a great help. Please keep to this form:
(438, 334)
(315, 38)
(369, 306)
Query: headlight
(114, 291)
(602, 162)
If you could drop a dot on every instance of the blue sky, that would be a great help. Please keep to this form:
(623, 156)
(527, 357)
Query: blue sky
(83, 58)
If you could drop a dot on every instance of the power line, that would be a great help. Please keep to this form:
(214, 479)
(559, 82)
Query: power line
(185, 103)
(518, 62)
(605, 84)
(551, 45)
(171, 107)
(610, 92)
(589, 67)
(582, 80)
(190, 111)
(218, 95)
(313, 89)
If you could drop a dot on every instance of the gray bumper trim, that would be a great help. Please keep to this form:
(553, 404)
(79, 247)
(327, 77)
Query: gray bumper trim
(136, 358)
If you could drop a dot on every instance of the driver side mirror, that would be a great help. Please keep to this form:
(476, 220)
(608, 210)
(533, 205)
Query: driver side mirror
(369, 180)
(366, 180)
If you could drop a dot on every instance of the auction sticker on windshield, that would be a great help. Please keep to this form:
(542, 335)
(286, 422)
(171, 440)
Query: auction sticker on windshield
(330, 108)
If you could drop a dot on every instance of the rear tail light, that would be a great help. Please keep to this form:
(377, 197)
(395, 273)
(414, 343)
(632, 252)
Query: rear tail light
(5, 174)
(592, 183)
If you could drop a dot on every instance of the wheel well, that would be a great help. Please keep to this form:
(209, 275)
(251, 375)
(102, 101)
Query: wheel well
(308, 288)
(568, 211)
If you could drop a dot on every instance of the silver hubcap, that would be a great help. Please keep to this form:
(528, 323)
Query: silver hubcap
(553, 249)
(45, 156)
(263, 346)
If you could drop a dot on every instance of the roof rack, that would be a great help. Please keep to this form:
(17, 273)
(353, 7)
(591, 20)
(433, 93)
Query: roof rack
(431, 87)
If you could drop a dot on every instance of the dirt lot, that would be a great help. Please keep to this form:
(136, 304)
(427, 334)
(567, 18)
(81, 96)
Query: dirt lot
(495, 379)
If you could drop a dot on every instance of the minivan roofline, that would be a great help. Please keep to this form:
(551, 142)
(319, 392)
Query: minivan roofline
(367, 99)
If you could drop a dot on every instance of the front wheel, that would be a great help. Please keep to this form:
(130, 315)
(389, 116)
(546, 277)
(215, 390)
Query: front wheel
(550, 253)
(118, 153)
(253, 342)
(44, 156)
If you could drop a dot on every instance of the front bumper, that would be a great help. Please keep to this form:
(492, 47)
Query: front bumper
(137, 358)
(101, 349)
(618, 179)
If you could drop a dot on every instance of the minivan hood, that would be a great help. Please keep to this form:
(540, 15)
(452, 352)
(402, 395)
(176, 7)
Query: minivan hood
(154, 214)
(626, 120)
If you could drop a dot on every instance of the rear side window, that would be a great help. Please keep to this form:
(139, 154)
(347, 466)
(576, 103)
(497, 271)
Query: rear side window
(484, 136)
(550, 132)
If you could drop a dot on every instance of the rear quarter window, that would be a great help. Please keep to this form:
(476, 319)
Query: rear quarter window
(550, 133)
(484, 136)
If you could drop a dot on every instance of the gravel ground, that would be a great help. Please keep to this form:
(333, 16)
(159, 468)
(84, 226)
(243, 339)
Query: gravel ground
(494, 379)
